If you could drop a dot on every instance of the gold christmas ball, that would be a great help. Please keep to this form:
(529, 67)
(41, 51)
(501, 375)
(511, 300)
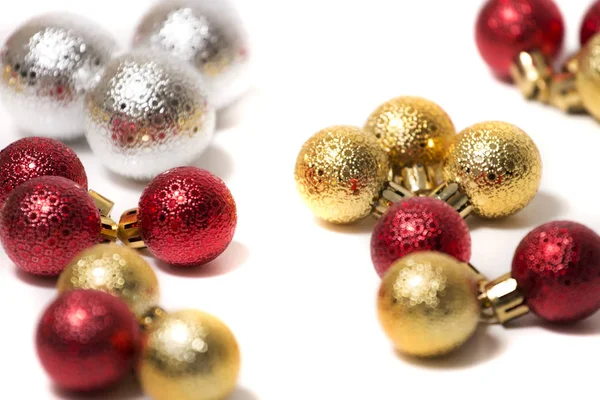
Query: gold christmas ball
(587, 77)
(114, 269)
(340, 172)
(412, 130)
(427, 304)
(497, 166)
(189, 355)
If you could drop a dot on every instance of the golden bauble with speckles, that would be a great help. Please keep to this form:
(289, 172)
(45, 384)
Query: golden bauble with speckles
(114, 269)
(189, 355)
(497, 166)
(427, 304)
(340, 172)
(588, 76)
(412, 130)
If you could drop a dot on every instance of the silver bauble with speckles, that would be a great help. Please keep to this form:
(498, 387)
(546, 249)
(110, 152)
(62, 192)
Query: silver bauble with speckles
(147, 114)
(48, 64)
(207, 33)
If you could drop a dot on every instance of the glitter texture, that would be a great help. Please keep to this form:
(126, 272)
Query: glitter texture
(87, 340)
(187, 216)
(497, 166)
(113, 269)
(148, 114)
(557, 268)
(427, 304)
(30, 158)
(412, 130)
(45, 222)
(340, 172)
(48, 64)
(209, 35)
(506, 27)
(189, 355)
(419, 224)
(591, 23)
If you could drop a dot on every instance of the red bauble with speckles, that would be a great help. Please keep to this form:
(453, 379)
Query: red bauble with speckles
(30, 158)
(45, 222)
(506, 27)
(557, 268)
(87, 340)
(591, 23)
(419, 224)
(187, 216)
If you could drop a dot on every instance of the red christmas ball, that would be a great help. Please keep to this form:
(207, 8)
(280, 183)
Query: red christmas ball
(419, 224)
(187, 216)
(557, 268)
(591, 23)
(506, 27)
(30, 158)
(45, 222)
(87, 340)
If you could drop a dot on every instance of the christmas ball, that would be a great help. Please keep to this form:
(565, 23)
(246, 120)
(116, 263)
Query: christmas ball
(427, 304)
(187, 216)
(209, 35)
(557, 268)
(504, 28)
(116, 270)
(189, 355)
(497, 166)
(87, 340)
(587, 77)
(339, 173)
(412, 130)
(419, 224)
(48, 64)
(591, 23)
(148, 114)
(45, 222)
(30, 158)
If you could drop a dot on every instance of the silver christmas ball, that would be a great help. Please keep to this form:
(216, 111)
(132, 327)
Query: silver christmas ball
(147, 114)
(207, 33)
(48, 64)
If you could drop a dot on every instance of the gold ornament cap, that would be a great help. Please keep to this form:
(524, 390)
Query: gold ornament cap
(428, 305)
(340, 173)
(189, 355)
(497, 166)
(116, 270)
(587, 76)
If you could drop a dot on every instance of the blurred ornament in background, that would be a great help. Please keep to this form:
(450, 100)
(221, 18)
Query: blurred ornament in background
(147, 114)
(590, 24)
(45, 222)
(186, 217)
(116, 270)
(87, 340)
(207, 33)
(30, 158)
(48, 64)
(188, 355)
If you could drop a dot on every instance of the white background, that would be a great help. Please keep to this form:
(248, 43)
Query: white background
(300, 295)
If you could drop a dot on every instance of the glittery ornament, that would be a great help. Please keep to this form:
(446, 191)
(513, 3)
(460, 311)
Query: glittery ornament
(497, 166)
(340, 172)
(591, 23)
(148, 114)
(30, 158)
(116, 270)
(557, 268)
(427, 304)
(87, 340)
(48, 64)
(186, 217)
(189, 355)
(506, 27)
(419, 224)
(45, 222)
(209, 35)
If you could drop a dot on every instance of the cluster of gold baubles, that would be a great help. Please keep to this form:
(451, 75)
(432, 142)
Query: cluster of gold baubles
(185, 355)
